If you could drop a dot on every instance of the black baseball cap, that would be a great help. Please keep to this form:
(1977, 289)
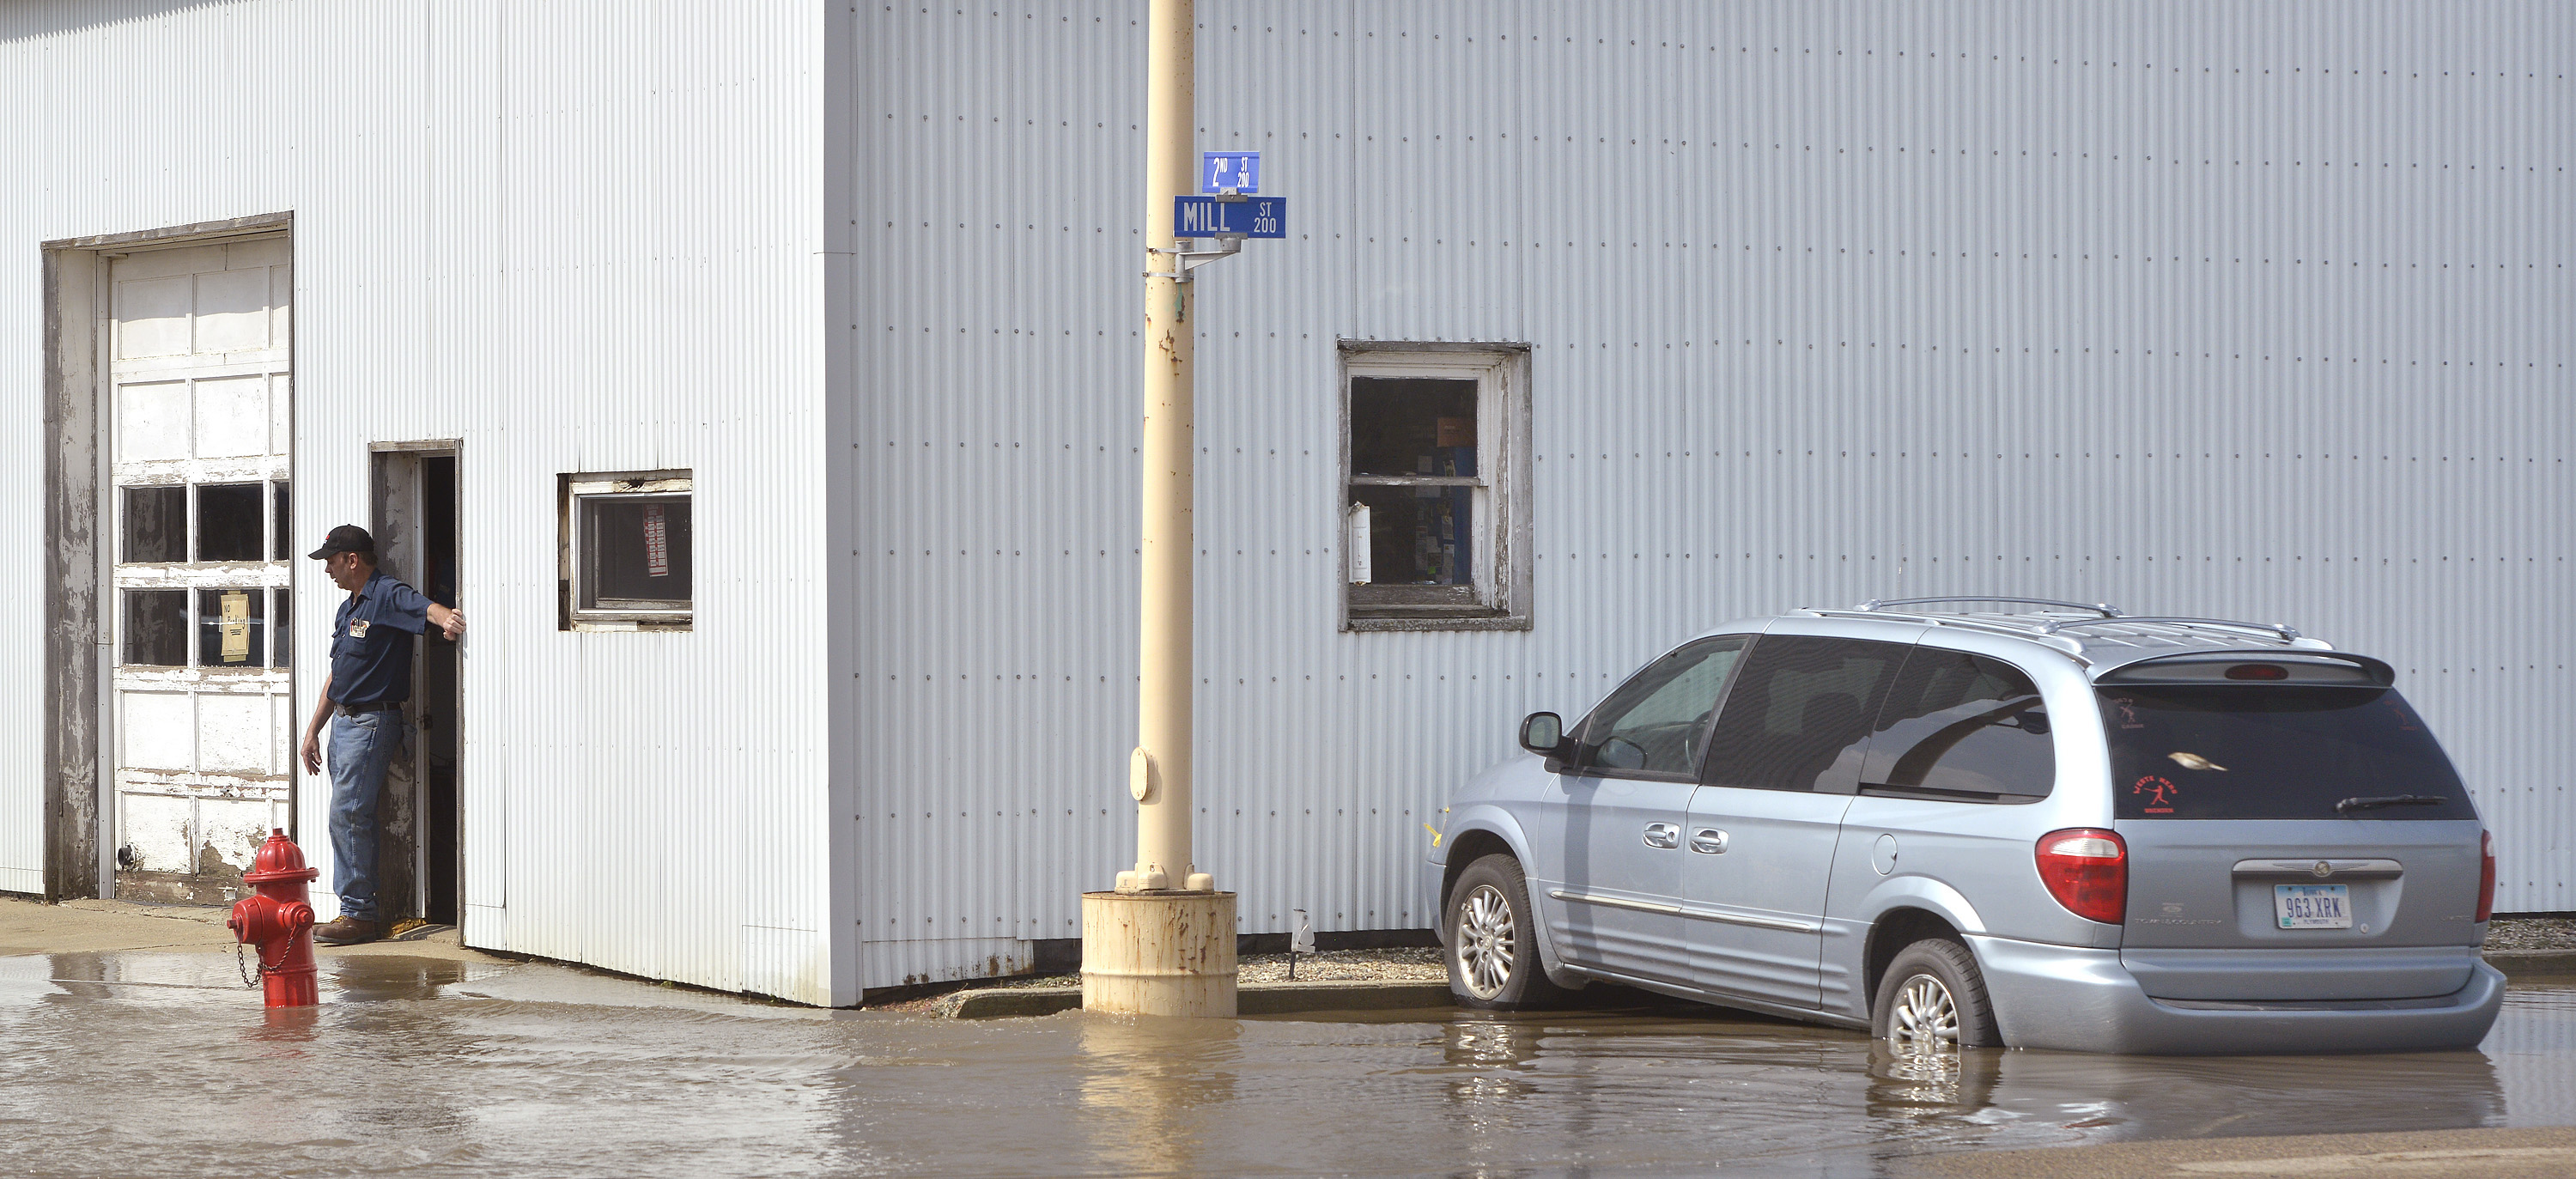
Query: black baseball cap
(347, 538)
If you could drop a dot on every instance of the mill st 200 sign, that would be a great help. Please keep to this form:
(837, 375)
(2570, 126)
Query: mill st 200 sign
(1210, 216)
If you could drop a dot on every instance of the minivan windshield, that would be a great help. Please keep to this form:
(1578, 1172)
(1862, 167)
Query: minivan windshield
(2275, 752)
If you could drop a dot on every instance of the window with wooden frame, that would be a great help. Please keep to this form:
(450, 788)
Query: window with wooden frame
(627, 557)
(1435, 504)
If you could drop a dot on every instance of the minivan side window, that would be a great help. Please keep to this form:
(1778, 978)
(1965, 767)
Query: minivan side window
(1655, 724)
(1961, 726)
(1798, 717)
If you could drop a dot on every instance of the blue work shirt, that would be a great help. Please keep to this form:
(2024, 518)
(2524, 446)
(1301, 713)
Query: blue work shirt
(371, 642)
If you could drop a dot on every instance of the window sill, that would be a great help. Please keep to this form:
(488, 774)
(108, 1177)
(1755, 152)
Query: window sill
(606, 625)
(1382, 619)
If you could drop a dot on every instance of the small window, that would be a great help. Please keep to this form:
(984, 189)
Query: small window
(1435, 504)
(628, 553)
(1799, 715)
(156, 524)
(229, 521)
(1656, 724)
(282, 548)
(1963, 727)
(230, 630)
(156, 628)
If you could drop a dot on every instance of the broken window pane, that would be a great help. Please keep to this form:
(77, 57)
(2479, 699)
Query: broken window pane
(1412, 427)
(228, 522)
(229, 630)
(282, 636)
(635, 552)
(284, 550)
(1420, 535)
(156, 628)
(156, 524)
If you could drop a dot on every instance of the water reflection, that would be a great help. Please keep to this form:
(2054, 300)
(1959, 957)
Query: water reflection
(161, 1064)
(1156, 1091)
(1930, 1087)
(1488, 1055)
(377, 979)
(2138, 1097)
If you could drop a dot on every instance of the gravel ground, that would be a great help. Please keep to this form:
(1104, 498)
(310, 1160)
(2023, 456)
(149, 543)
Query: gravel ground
(2532, 933)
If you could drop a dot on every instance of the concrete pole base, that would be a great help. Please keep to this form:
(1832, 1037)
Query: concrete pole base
(1161, 953)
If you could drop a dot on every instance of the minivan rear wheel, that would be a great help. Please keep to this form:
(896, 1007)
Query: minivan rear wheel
(1933, 997)
(1493, 939)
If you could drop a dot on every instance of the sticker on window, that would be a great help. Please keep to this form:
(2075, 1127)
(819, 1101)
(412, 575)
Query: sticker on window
(2159, 793)
(657, 543)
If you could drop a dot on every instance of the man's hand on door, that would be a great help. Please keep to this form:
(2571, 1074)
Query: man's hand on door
(448, 621)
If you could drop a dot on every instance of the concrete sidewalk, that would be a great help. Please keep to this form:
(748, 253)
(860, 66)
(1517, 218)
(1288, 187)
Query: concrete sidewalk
(90, 926)
(2546, 1152)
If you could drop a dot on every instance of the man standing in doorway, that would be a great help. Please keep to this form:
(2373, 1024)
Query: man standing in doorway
(370, 677)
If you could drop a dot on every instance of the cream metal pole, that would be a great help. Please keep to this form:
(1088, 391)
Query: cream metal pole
(1163, 943)
(1159, 771)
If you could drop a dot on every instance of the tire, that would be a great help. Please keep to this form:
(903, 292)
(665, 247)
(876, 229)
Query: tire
(1492, 942)
(1932, 998)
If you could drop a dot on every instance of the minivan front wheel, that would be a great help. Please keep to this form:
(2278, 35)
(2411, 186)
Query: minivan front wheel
(1933, 997)
(1492, 939)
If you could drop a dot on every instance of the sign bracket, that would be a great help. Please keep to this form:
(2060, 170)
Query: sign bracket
(1185, 259)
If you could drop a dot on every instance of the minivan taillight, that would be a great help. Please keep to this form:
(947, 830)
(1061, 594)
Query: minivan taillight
(2087, 870)
(2486, 875)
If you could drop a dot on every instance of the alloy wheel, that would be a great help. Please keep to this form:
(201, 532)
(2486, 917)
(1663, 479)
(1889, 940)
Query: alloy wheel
(1926, 1016)
(1485, 942)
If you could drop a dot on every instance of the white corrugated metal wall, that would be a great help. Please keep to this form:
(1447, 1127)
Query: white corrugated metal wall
(579, 237)
(2249, 310)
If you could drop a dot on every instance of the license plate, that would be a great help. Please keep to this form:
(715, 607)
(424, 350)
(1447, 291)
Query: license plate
(2312, 906)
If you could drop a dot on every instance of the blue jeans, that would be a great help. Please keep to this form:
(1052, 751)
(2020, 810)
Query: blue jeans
(361, 747)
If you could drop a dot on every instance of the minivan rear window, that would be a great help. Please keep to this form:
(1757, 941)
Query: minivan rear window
(2275, 752)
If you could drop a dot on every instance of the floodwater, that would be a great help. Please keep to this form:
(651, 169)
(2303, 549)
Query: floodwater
(143, 1064)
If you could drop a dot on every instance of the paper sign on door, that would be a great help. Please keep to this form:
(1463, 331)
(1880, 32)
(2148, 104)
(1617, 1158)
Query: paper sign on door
(236, 626)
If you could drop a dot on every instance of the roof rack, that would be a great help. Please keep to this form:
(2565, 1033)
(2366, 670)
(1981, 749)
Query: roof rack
(2105, 609)
(2288, 633)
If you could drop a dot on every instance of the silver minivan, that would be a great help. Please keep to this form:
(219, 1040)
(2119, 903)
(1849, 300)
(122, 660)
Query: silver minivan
(2061, 827)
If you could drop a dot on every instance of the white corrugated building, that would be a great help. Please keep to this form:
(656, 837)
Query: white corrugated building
(2246, 310)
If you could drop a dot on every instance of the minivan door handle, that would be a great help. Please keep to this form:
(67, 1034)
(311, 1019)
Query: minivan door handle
(1709, 841)
(1663, 835)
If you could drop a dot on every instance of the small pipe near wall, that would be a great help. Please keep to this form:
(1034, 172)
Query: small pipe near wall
(1163, 943)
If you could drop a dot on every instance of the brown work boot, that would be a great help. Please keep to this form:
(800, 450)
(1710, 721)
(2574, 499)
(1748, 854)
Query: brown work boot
(348, 931)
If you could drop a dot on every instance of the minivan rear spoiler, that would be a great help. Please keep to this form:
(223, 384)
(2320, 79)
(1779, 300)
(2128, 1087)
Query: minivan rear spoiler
(2197, 667)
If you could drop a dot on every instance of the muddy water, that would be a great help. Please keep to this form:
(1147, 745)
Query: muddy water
(137, 1064)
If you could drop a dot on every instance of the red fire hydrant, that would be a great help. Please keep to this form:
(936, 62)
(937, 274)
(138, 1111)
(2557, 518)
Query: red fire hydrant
(279, 920)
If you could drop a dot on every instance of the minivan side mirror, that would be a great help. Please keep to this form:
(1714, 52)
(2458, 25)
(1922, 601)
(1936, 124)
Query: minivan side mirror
(1543, 733)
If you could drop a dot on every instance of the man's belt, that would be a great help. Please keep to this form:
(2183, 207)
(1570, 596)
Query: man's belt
(368, 706)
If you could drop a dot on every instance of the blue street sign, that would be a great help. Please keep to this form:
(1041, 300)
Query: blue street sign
(1238, 170)
(1206, 216)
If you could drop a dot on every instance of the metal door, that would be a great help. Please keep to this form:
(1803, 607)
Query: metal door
(196, 502)
(1615, 873)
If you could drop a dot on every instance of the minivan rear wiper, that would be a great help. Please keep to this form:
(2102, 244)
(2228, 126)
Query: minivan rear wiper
(2367, 804)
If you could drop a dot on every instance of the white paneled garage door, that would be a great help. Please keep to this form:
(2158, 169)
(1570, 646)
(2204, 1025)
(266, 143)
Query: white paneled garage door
(198, 443)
